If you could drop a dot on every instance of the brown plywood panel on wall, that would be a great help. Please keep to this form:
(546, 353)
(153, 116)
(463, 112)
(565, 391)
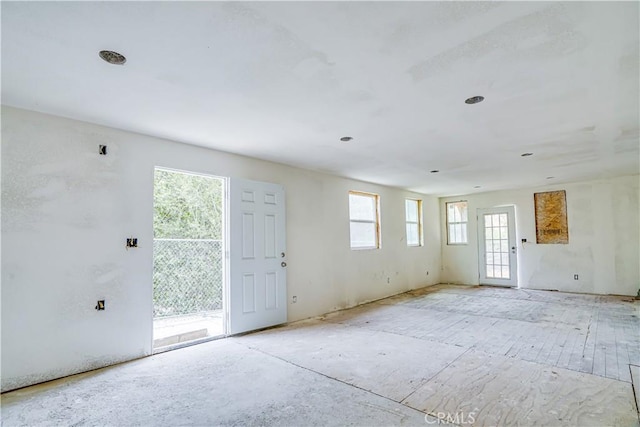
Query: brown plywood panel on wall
(551, 217)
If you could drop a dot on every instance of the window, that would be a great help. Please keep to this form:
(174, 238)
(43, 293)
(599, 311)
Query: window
(365, 220)
(457, 223)
(413, 216)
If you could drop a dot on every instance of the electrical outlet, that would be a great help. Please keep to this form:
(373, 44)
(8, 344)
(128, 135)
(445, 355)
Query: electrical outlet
(427, 273)
(575, 277)
(100, 305)
(294, 299)
(102, 150)
(132, 242)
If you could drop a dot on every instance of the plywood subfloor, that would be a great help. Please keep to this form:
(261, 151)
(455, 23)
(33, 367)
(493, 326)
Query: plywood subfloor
(635, 376)
(593, 334)
(464, 355)
(501, 390)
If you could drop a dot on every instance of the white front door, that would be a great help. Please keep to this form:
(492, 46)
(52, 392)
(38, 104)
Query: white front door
(497, 246)
(257, 254)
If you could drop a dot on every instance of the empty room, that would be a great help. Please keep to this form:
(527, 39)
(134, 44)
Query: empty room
(320, 213)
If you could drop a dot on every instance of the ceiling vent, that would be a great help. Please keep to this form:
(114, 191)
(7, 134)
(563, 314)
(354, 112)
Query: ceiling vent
(112, 57)
(474, 100)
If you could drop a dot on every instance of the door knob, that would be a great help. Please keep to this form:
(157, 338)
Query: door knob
(513, 249)
(282, 254)
(284, 264)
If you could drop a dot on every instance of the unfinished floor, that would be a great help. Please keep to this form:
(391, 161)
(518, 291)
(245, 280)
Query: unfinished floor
(466, 355)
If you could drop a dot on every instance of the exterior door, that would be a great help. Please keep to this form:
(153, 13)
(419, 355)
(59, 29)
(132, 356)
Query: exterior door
(257, 255)
(497, 246)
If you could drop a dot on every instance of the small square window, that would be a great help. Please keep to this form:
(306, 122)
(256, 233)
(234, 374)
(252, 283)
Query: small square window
(457, 223)
(364, 220)
(413, 219)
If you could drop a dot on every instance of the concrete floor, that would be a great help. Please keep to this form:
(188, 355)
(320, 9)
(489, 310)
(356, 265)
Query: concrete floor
(467, 355)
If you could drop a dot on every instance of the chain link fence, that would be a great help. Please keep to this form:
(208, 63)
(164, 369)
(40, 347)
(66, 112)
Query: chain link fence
(187, 276)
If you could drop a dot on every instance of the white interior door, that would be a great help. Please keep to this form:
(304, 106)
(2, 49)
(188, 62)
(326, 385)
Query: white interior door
(257, 255)
(497, 246)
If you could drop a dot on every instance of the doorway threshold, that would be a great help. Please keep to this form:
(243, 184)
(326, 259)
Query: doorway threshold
(186, 344)
(174, 330)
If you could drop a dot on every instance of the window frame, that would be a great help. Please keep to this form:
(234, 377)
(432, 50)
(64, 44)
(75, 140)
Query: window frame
(376, 198)
(418, 222)
(450, 223)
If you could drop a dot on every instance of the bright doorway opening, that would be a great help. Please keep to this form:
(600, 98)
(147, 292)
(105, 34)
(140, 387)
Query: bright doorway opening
(188, 258)
(497, 246)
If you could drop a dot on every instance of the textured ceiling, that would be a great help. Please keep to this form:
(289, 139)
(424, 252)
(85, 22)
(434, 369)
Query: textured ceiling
(284, 81)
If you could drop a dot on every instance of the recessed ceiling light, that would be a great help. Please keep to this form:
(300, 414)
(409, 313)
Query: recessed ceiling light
(346, 139)
(474, 100)
(526, 154)
(435, 171)
(112, 57)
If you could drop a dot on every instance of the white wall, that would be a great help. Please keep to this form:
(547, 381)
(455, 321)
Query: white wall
(66, 212)
(604, 237)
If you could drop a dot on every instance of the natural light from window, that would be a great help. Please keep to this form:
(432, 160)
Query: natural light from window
(457, 223)
(364, 220)
(413, 214)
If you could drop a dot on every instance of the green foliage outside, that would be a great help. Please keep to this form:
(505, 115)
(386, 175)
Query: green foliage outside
(186, 206)
(187, 268)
